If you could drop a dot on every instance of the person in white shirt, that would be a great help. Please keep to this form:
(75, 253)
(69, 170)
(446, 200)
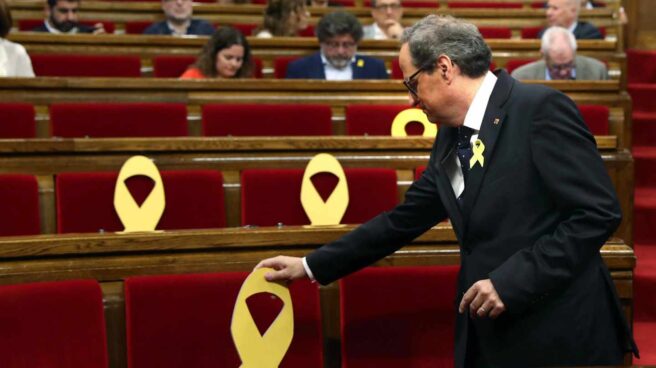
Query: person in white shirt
(14, 61)
(387, 16)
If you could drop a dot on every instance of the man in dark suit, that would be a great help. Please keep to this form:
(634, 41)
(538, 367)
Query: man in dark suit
(565, 13)
(518, 174)
(338, 34)
(62, 17)
(179, 21)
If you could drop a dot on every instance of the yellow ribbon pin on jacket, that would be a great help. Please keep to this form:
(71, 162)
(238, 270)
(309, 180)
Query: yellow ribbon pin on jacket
(478, 150)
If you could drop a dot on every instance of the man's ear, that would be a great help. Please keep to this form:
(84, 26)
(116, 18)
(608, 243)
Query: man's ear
(444, 67)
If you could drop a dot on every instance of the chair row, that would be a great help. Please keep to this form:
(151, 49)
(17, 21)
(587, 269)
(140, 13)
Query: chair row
(72, 120)
(185, 320)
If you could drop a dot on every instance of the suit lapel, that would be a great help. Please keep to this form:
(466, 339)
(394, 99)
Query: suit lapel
(318, 67)
(358, 68)
(449, 201)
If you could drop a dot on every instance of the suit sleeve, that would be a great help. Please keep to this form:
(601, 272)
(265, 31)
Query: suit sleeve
(382, 235)
(294, 70)
(565, 156)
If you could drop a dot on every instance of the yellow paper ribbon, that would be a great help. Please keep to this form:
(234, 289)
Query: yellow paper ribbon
(268, 350)
(407, 116)
(478, 150)
(132, 216)
(332, 210)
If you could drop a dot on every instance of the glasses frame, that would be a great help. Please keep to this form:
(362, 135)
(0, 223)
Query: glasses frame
(412, 82)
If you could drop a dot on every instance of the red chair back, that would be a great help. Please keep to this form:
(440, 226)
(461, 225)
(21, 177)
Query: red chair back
(364, 119)
(531, 32)
(52, 324)
(137, 26)
(17, 120)
(73, 120)
(495, 32)
(280, 66)
(19, 195)
(266, 120)
(85, 201)
(171, 66)
(184, 321)
(596, 118)
(511, 65)
(66, 65)
(398, 317)
(270, 197)
(641, 66)
(483, 5)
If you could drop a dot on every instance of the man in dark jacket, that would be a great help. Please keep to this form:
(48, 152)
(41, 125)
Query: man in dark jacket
(179, 21)
(62, 17)
(565, 13)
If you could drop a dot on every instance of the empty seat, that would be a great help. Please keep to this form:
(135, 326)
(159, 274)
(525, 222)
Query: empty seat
(362, 119)
(85, 201)
(596, 118)
(52, 324)
(184, 321)
(17, 120)
(19, 195)
(398, 317)
(266, 120)
(67, 65)
(269, 197)
(72, 120)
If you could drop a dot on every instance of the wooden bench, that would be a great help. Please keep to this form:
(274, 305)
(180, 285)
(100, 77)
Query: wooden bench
(110, 258)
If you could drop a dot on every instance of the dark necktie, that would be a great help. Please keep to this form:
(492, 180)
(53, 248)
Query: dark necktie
(464, 149)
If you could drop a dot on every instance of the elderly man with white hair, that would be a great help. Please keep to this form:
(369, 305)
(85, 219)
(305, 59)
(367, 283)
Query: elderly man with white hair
(565, 13)
(559, 60)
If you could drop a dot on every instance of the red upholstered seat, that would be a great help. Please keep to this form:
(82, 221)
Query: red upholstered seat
(280, 66)
(118, 120)
(184, 321)
(495, 32)
(413, 4)
(85, 201)
(27, 25)
(17, 120)
(531, 32)
(266, 120)
(483, 4)
(19, 195)
(364, 119)
(269, 197)
(308, 31)
(398, 317)
(68, 65)
(596, 118)
(171, 66)
(641, 66)
(137, 26)
(516, 63)
(643, 96)
(52, 324)
(418, 171)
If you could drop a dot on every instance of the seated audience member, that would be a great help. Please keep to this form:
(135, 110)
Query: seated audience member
(565, 13)
(62, 17)
(387, 16)
(178, 21)
(14, 61)
(225, 55)
(338, 34)
(559, 60)
(283, 18)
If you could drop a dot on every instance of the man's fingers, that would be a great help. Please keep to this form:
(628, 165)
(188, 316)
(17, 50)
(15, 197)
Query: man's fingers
(274, 263)
(467, 298)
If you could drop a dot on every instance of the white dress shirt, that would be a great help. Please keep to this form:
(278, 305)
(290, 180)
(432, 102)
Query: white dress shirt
(14, 60)
(333, 73)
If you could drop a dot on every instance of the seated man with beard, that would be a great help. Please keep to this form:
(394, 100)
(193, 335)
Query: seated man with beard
(62, 17)
(338, 34)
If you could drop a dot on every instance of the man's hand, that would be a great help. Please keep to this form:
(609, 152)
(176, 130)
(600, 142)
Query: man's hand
(98, 28)
(287, 268)
(482, 300)
(393, 29)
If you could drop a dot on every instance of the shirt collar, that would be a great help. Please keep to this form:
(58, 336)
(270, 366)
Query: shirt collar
(474, 117)
(573, 26)
(325, 62)
(52, 29)
(378, 33)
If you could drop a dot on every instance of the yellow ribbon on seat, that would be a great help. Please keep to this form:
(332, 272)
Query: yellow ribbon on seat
(268, 350)
(407, 116)
(332, 210)
(132, 216)
(478, 150)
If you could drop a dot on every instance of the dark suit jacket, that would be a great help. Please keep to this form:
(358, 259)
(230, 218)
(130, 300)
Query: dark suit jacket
(81, 28)
(583, 31)
(533, 220)
(196, 27)
(311, 67)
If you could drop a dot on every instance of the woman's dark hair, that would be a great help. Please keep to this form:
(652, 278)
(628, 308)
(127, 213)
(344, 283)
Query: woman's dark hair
(5, 19)
(277, 15)
(222, 38)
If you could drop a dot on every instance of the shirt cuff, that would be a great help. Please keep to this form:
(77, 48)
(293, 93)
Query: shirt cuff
(307, 270)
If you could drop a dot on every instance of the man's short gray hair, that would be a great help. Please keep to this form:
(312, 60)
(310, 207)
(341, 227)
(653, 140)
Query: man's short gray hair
(339, 23)
(436, 35)
(551, 33)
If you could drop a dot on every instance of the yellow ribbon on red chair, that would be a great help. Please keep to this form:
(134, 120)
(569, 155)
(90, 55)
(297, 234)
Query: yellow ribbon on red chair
(332, 210)
(268, 350)
(407, 116)
(132, 216)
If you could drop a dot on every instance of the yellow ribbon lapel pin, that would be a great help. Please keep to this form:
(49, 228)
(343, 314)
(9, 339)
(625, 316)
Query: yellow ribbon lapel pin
(478, 150)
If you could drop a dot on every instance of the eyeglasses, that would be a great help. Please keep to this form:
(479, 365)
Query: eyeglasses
(557, 68)
(336, 45)
(412, 82)
(385, 7)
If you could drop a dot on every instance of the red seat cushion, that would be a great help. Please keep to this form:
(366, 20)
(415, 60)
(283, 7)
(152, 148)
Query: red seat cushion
(641, 66)
(17, 120)
(171, 66)
(269, 197)
(118, 120)
(513, 64)
(85, 201)
(531, 32)
(398, 317)
(596, 118)
(643, 96)
(137, 26)
(67, 65)
(484, 4)
(495, 32)
(184, 321)
(280, 66)
(52, 324)
(364, 119)
(266, 120)
(19, 195)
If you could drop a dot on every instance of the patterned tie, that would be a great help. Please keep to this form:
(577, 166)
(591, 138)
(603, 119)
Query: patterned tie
(464, 148)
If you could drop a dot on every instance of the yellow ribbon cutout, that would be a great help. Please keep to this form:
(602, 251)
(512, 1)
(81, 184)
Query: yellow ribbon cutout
(268, 350)
(478, 150)
(133, 217)
(332, 210)
(407, 116)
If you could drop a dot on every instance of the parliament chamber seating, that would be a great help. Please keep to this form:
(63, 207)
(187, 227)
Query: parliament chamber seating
(596, 118)
(18, 120)
(272, 197)
(137, 27)
(363, 119)
(280, 65)
(19, 195)
(71, 65)
(85, 201)
(184, 320)
(511, 65)
(52, 324)
(398, 317)
(100, 120)
(172, 66)
(27, 25)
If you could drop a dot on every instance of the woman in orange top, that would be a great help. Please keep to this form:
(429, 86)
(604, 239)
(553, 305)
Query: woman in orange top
(226, 55)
